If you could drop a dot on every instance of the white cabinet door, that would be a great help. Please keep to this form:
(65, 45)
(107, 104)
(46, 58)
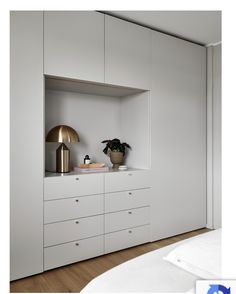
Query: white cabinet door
(178, 131)
(127, 180)
(76, 229)
(121, 220)
(127, 238)
(71, 186)
(74, 44)
(71, 208)
(27, 140)
(127, 200)
(127, 53)
(63, 254)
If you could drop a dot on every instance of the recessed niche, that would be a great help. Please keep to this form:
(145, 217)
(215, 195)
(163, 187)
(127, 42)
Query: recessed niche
(97, 112)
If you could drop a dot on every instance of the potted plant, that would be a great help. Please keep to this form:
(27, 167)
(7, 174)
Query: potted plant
(116, 151)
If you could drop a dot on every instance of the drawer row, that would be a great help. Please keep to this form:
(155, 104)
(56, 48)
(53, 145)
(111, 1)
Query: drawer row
(78, 250)
(78, 207)
(82, 228)
(89, 215)
(88, 184)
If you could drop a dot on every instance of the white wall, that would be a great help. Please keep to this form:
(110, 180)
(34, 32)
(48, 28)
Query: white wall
(135, 126)
(214, 136)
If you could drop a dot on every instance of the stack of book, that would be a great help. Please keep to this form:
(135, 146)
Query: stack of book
(91, 168)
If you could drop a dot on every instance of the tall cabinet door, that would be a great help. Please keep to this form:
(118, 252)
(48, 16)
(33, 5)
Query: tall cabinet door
(26, 204)
(74, 44)
(178, 131)
(127, 53)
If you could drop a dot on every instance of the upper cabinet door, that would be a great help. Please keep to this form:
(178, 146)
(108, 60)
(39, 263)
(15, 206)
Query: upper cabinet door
(127, 53)
(74, 45)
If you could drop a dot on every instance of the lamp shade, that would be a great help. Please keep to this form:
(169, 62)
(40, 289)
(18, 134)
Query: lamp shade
(62, 134)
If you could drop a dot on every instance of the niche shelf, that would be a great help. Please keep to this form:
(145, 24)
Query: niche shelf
(97, 112)
(87, 87)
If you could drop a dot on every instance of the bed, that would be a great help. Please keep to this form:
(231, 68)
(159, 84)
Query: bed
(173, 268)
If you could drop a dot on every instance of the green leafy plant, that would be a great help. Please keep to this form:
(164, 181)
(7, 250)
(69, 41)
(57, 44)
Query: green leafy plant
(115, 146)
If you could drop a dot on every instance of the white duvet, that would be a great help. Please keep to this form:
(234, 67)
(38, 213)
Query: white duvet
(151, 273)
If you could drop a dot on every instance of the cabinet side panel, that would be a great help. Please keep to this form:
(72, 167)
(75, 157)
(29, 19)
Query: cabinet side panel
(26, 166)
(178, 130)
(217, 135)
(209, 139)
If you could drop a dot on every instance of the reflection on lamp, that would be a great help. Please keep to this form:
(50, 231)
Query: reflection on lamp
(62, 134)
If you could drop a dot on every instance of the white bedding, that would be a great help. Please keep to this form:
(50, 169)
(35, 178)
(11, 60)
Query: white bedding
(146, 273)
(200, 256)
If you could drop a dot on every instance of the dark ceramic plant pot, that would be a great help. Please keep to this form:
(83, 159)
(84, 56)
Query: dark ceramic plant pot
(116, 158)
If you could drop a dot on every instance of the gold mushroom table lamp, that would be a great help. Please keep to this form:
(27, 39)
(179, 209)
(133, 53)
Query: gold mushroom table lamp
(62, 134)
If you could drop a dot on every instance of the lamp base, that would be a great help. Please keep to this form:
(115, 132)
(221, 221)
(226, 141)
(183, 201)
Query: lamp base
(63, 159)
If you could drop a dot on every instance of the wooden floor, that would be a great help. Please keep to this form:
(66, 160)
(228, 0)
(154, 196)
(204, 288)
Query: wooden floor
(73, 278)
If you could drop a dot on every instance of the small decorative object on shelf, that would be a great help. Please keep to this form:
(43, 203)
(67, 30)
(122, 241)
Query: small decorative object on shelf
(87, 160)
(92, 165)
(123, 167)
(91, 168)
(62, 134)
(116, 151)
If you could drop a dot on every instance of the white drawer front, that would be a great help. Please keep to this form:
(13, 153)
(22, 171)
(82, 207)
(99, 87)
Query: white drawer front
(116, 221)
(127, 238)
(126, 200)
(72, 186)
(71, 208)
(123, 181)
(71, 230)
(63, 254)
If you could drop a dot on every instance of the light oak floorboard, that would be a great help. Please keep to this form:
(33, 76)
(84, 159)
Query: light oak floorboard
(74, 277)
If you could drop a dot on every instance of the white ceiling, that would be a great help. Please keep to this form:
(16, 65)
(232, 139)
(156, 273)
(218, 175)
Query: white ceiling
(203, 27)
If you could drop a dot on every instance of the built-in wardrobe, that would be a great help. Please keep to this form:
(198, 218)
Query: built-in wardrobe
(106, 78)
